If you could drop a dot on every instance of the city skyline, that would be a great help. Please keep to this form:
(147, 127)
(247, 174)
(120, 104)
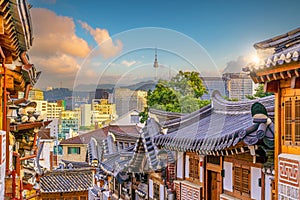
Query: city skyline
(223, 35)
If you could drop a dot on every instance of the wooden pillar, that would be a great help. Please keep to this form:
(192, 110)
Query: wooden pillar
(51, 160)
(277, 133)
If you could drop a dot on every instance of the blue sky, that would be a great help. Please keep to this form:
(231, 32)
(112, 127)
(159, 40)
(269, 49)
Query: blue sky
(226, 30)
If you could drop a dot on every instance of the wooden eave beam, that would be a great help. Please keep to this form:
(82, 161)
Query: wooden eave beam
(295, 82)
(274, 76)
(289, 74)
(272, 86)
(296, 72)
(278, 69)
(282, 75)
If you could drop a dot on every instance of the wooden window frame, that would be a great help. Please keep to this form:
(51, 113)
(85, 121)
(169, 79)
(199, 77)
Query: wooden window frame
(291, 121)
(194, 168)
(241, 177)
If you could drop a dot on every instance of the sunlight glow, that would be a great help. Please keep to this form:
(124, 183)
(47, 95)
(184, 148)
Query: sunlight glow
(255, 59)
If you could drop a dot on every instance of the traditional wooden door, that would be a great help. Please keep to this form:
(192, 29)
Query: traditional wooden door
(212, 185)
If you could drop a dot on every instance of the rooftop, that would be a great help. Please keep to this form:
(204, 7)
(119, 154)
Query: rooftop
(280, 50)
(101, 134)
(67, 181)
(218, 127)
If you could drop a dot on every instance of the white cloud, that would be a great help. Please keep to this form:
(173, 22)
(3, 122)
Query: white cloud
(107, 47)
(55, 34)
(128, 63)
(57, 51)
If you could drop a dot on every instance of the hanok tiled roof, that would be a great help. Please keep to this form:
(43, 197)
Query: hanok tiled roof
(283, 49)
(75, 165)
(219, 126)
(17, 35)
(140, 158)
(66, 181)
(162, 116)
(95, 150)
(145, 153)
(100, 134)
(114, 163)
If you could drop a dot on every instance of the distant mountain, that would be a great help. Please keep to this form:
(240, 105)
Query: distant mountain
(57, 94)
(93, 87)
(145, 85)
(83, 90)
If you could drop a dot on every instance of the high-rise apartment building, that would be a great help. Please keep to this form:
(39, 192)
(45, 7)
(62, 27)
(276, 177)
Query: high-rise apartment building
(41, 108)
(238, 85)
(86, 114)
(102, 111)
(69, 123)
(36, 94)
(127, 100)
(101, 94)
(54, 110)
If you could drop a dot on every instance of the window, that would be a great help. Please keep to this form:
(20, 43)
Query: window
(291, 126)
(73, 150)
(134, 119)
(194, 167)
(241, 180)
(213, 159)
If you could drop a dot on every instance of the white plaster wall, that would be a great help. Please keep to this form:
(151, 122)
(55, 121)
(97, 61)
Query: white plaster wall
(161, 192)
(187, 167)
(201, 169)
(268, 187)
(150, 189)
(45, 155)
(179, 167)
(227, 179)
(255, 189)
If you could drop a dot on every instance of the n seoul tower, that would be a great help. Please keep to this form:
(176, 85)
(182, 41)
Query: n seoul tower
(155, 65)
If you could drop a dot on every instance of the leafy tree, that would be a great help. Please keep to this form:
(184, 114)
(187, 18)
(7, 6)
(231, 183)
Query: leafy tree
(180, 94)
(187, 83)
(259, 93)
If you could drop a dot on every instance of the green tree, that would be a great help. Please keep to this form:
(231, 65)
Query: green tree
(180, 94)
(259, 93)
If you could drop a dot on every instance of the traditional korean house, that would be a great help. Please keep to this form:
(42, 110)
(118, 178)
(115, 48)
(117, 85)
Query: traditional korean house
(20, 149)
(279, 72)
(224, 150)
(133, 171)
(67, 184)
(76, 148)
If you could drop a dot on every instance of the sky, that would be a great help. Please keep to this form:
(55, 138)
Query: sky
(90, 42)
